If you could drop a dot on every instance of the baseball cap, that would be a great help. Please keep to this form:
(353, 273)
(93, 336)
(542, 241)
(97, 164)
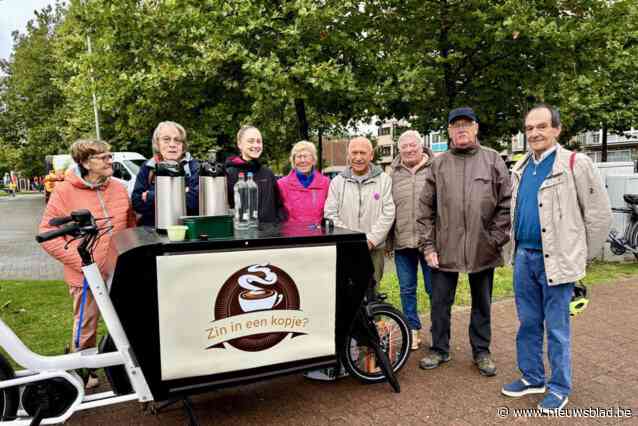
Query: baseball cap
(466, 112)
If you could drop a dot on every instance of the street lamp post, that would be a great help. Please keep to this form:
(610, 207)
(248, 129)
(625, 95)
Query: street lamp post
(96, 112)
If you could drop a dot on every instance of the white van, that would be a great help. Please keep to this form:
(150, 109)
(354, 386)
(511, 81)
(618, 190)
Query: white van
(126, 165)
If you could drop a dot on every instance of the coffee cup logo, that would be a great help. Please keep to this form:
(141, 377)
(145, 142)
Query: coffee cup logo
(256, 296)
(252, 289)
(257, 300)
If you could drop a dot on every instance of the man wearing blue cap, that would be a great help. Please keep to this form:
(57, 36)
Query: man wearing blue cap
(464, 222)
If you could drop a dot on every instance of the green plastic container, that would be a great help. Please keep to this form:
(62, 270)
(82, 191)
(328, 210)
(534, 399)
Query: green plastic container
(209, 226)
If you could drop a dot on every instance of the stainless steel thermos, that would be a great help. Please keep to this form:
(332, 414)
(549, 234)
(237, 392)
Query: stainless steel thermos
(170, 194)
(213, 195)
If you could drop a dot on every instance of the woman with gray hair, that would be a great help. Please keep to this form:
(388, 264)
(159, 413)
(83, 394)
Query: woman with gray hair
(169, 144)
(304, 191)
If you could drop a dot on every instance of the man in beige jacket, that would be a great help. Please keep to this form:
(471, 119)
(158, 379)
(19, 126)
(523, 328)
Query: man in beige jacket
(360, 199)
(560, 217)
(408, 178)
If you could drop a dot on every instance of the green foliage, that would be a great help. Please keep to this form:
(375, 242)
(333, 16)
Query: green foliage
(29, 116)
(297, 68)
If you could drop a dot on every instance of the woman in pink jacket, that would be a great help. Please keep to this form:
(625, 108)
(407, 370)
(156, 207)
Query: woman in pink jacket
(87, 186)
(304, 190)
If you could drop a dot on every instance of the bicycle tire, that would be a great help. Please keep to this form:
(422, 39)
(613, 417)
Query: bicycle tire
(632, 235)
(360, 360)
(9, 397)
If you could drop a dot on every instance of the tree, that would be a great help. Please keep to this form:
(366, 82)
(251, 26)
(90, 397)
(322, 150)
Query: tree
(29, 117)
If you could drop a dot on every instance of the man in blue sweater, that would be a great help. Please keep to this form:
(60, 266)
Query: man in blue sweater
(561, 216)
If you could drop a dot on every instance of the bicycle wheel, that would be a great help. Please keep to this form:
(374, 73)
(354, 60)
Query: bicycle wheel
(8, 396)
(361, 361)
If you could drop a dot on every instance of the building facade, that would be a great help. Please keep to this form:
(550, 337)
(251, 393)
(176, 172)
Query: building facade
(623, 147)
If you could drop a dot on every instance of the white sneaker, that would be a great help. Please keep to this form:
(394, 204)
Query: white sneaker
(416, 340)
(326, 374)
(92, 382)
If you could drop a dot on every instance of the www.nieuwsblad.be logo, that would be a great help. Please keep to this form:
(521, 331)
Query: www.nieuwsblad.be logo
(256, 308)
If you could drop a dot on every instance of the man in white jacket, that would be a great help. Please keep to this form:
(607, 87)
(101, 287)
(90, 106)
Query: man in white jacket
(360, 199)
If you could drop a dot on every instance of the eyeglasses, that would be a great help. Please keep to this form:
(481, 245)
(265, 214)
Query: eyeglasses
(102, 157)
(303, 156)
(168, 139)
(462, 124)
(540, 127)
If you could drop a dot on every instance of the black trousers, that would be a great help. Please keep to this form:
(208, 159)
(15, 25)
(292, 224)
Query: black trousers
(443, 292)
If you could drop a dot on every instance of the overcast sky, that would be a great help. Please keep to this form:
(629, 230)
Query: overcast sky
(14, 15)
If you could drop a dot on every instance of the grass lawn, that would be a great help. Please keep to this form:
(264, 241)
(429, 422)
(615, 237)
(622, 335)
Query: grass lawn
(40, 312)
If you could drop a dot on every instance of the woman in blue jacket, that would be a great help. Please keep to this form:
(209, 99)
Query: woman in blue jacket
(169, 143)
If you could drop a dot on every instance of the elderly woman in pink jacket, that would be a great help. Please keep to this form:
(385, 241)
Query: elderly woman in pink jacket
(304, 190)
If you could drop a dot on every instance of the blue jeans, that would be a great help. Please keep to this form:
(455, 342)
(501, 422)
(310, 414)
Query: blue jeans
(541, 306)
(407, 264)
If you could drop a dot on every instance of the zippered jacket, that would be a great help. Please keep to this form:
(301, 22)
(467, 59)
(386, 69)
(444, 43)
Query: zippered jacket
(303, 205)
(109, 199)
(464, 209)
(406, 189)
(145, 182)
(269, 207)
(362, 206)
(574, 213)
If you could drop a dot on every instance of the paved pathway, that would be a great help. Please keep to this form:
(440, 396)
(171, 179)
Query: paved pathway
(605, 360)
(20, 256)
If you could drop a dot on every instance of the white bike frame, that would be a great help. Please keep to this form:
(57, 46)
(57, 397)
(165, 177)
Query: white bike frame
(38, 367)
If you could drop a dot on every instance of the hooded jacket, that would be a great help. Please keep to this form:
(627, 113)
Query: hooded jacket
(406, 189)
(362, 206)
(303, 205)
(464, 209)
(109, 199)
(574, 213)
(270, 209)
(145, 182)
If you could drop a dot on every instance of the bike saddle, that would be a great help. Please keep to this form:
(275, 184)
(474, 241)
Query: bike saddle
(631, 198)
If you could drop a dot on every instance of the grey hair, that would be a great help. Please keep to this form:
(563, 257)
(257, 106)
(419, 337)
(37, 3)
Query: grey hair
(410, 134)
(156, 132)
(302, 146)
(552, 111)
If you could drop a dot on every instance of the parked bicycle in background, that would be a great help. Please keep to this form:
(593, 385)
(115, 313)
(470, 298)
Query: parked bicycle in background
(628, 241)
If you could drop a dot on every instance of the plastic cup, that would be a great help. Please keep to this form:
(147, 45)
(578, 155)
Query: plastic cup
(176, 232)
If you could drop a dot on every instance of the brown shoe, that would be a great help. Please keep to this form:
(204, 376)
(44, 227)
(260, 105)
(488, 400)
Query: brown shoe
(433, 360)
(485, 365)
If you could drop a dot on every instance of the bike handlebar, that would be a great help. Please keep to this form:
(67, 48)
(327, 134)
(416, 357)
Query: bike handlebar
(67, 230)
(83, 224)
(59, 221)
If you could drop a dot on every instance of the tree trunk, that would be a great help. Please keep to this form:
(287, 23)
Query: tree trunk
(603, 149)
(444, 47)
(320, 151)
(302, 120)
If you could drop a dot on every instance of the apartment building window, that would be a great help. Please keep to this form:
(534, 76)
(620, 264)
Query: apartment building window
(384, 131)
(385, 150)
(620, 155)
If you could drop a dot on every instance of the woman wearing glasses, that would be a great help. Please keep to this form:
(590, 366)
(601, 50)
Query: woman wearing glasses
(88, 185)
(169, 144)
(304, 191)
